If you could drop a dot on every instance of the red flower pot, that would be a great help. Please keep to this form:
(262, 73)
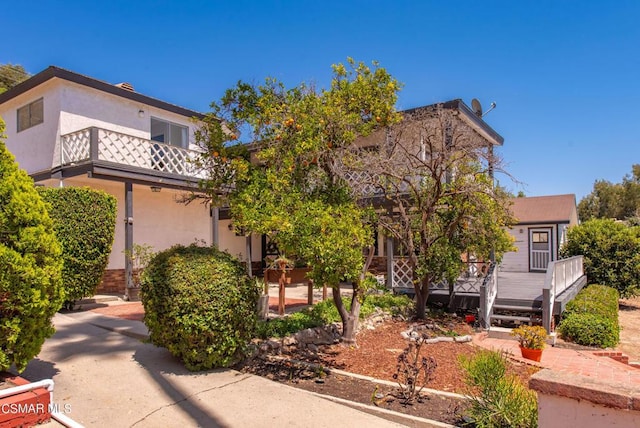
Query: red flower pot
(531, 354)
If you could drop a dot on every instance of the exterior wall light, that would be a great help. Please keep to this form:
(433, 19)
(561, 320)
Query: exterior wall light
(156, 189)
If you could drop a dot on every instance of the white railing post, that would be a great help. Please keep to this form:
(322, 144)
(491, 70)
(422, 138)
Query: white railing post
(488, 293)
(561, 274)
(549, 296)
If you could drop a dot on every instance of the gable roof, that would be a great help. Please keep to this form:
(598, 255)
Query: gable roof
(60, 73)
(544, 209)
(467, 114)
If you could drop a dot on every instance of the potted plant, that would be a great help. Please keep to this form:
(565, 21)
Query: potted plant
(532, 340)
(140, 258)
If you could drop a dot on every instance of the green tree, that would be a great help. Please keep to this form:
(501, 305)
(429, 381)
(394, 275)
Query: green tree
(30, 266)
(613, 200)
(611, 253)
(292, 192)
(433, 170)
(11, 75)
(84, 221)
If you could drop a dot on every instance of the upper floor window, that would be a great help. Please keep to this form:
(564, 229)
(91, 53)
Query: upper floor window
(166, 132)
(30, 115)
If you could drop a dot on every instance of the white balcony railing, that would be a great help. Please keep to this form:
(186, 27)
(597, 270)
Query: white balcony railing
(561, 274)
(93, 144)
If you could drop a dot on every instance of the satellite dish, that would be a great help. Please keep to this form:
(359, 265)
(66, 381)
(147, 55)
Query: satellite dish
(477, 107)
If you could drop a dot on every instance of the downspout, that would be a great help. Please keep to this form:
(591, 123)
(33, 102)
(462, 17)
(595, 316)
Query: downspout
(48, 385)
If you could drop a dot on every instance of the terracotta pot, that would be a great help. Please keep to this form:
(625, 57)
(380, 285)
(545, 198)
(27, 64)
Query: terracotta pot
(531, 354)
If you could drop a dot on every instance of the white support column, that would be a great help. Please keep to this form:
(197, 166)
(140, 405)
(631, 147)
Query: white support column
(128, 235)
(215, 226)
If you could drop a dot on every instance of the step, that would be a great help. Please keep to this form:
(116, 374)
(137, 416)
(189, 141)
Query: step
(516, 308)
(510, 318)
(99, 298)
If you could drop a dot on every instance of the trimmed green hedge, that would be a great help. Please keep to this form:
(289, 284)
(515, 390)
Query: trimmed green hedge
(199, 304)
(84, 221)
(30, 266)
(591, 319)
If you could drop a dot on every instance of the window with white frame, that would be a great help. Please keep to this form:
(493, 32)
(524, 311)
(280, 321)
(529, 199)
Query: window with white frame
(167, 132)
(30, 115)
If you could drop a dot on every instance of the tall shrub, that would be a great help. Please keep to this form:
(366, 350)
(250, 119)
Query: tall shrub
(84, 221)
(611, 253)
(199, 304)
(30, 266)
(498, 398)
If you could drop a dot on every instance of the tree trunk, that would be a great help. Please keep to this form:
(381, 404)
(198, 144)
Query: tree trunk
(349, 319)
(422, 294)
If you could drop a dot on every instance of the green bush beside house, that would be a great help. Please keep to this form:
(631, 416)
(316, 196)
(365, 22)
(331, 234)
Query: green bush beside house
(84, 221)
(30, 266)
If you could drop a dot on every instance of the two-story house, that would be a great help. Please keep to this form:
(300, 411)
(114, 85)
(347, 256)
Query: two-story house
(66, 129)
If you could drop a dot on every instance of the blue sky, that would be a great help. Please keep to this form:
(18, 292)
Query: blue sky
(565, 74)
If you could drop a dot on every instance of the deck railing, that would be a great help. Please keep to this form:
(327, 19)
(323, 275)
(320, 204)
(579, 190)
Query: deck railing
(469, 281)
(561, 274)
(93, 144)
(488, 294)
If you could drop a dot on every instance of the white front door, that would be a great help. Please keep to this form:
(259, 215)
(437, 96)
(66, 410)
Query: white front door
(539, 249)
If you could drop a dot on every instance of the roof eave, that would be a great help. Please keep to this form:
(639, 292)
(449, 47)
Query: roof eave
(56, 72)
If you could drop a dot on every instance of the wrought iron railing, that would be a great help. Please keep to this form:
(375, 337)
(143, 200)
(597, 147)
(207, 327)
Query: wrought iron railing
(93, 144)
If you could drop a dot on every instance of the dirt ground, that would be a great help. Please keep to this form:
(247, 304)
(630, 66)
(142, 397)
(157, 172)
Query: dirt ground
(629, 318)
(376, 355)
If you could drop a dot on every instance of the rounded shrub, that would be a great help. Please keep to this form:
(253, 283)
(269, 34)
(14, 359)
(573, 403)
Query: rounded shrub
(590, 330)
(30, 266)
(199, 304)
(595, 299)
(611, 253)
(84, 221)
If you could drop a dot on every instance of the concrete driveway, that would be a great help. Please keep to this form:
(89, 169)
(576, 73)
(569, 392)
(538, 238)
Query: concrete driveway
(108, 378)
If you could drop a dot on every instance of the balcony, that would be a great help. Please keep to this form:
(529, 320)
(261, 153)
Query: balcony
(112, 151)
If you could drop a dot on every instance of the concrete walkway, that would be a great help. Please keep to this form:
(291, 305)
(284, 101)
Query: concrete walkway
(108, 377)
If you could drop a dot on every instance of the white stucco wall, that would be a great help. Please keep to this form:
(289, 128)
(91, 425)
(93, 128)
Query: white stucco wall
(34, 147)
(237, 245)
(70, 107)
(158, 219)
(82, 107)
(561, 412)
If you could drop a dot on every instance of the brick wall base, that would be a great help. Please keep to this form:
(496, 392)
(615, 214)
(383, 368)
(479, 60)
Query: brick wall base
(113, 282)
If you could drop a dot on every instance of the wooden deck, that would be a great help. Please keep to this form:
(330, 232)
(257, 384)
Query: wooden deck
(520, 286)
(520, 289)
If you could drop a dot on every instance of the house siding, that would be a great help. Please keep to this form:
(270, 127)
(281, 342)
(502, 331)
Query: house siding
(517, 261)
(35, 147)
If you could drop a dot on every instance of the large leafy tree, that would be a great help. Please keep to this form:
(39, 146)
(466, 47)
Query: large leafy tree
(290, 190)
(11, 75)
(611, 253)
(433, 173)
(613, 200)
